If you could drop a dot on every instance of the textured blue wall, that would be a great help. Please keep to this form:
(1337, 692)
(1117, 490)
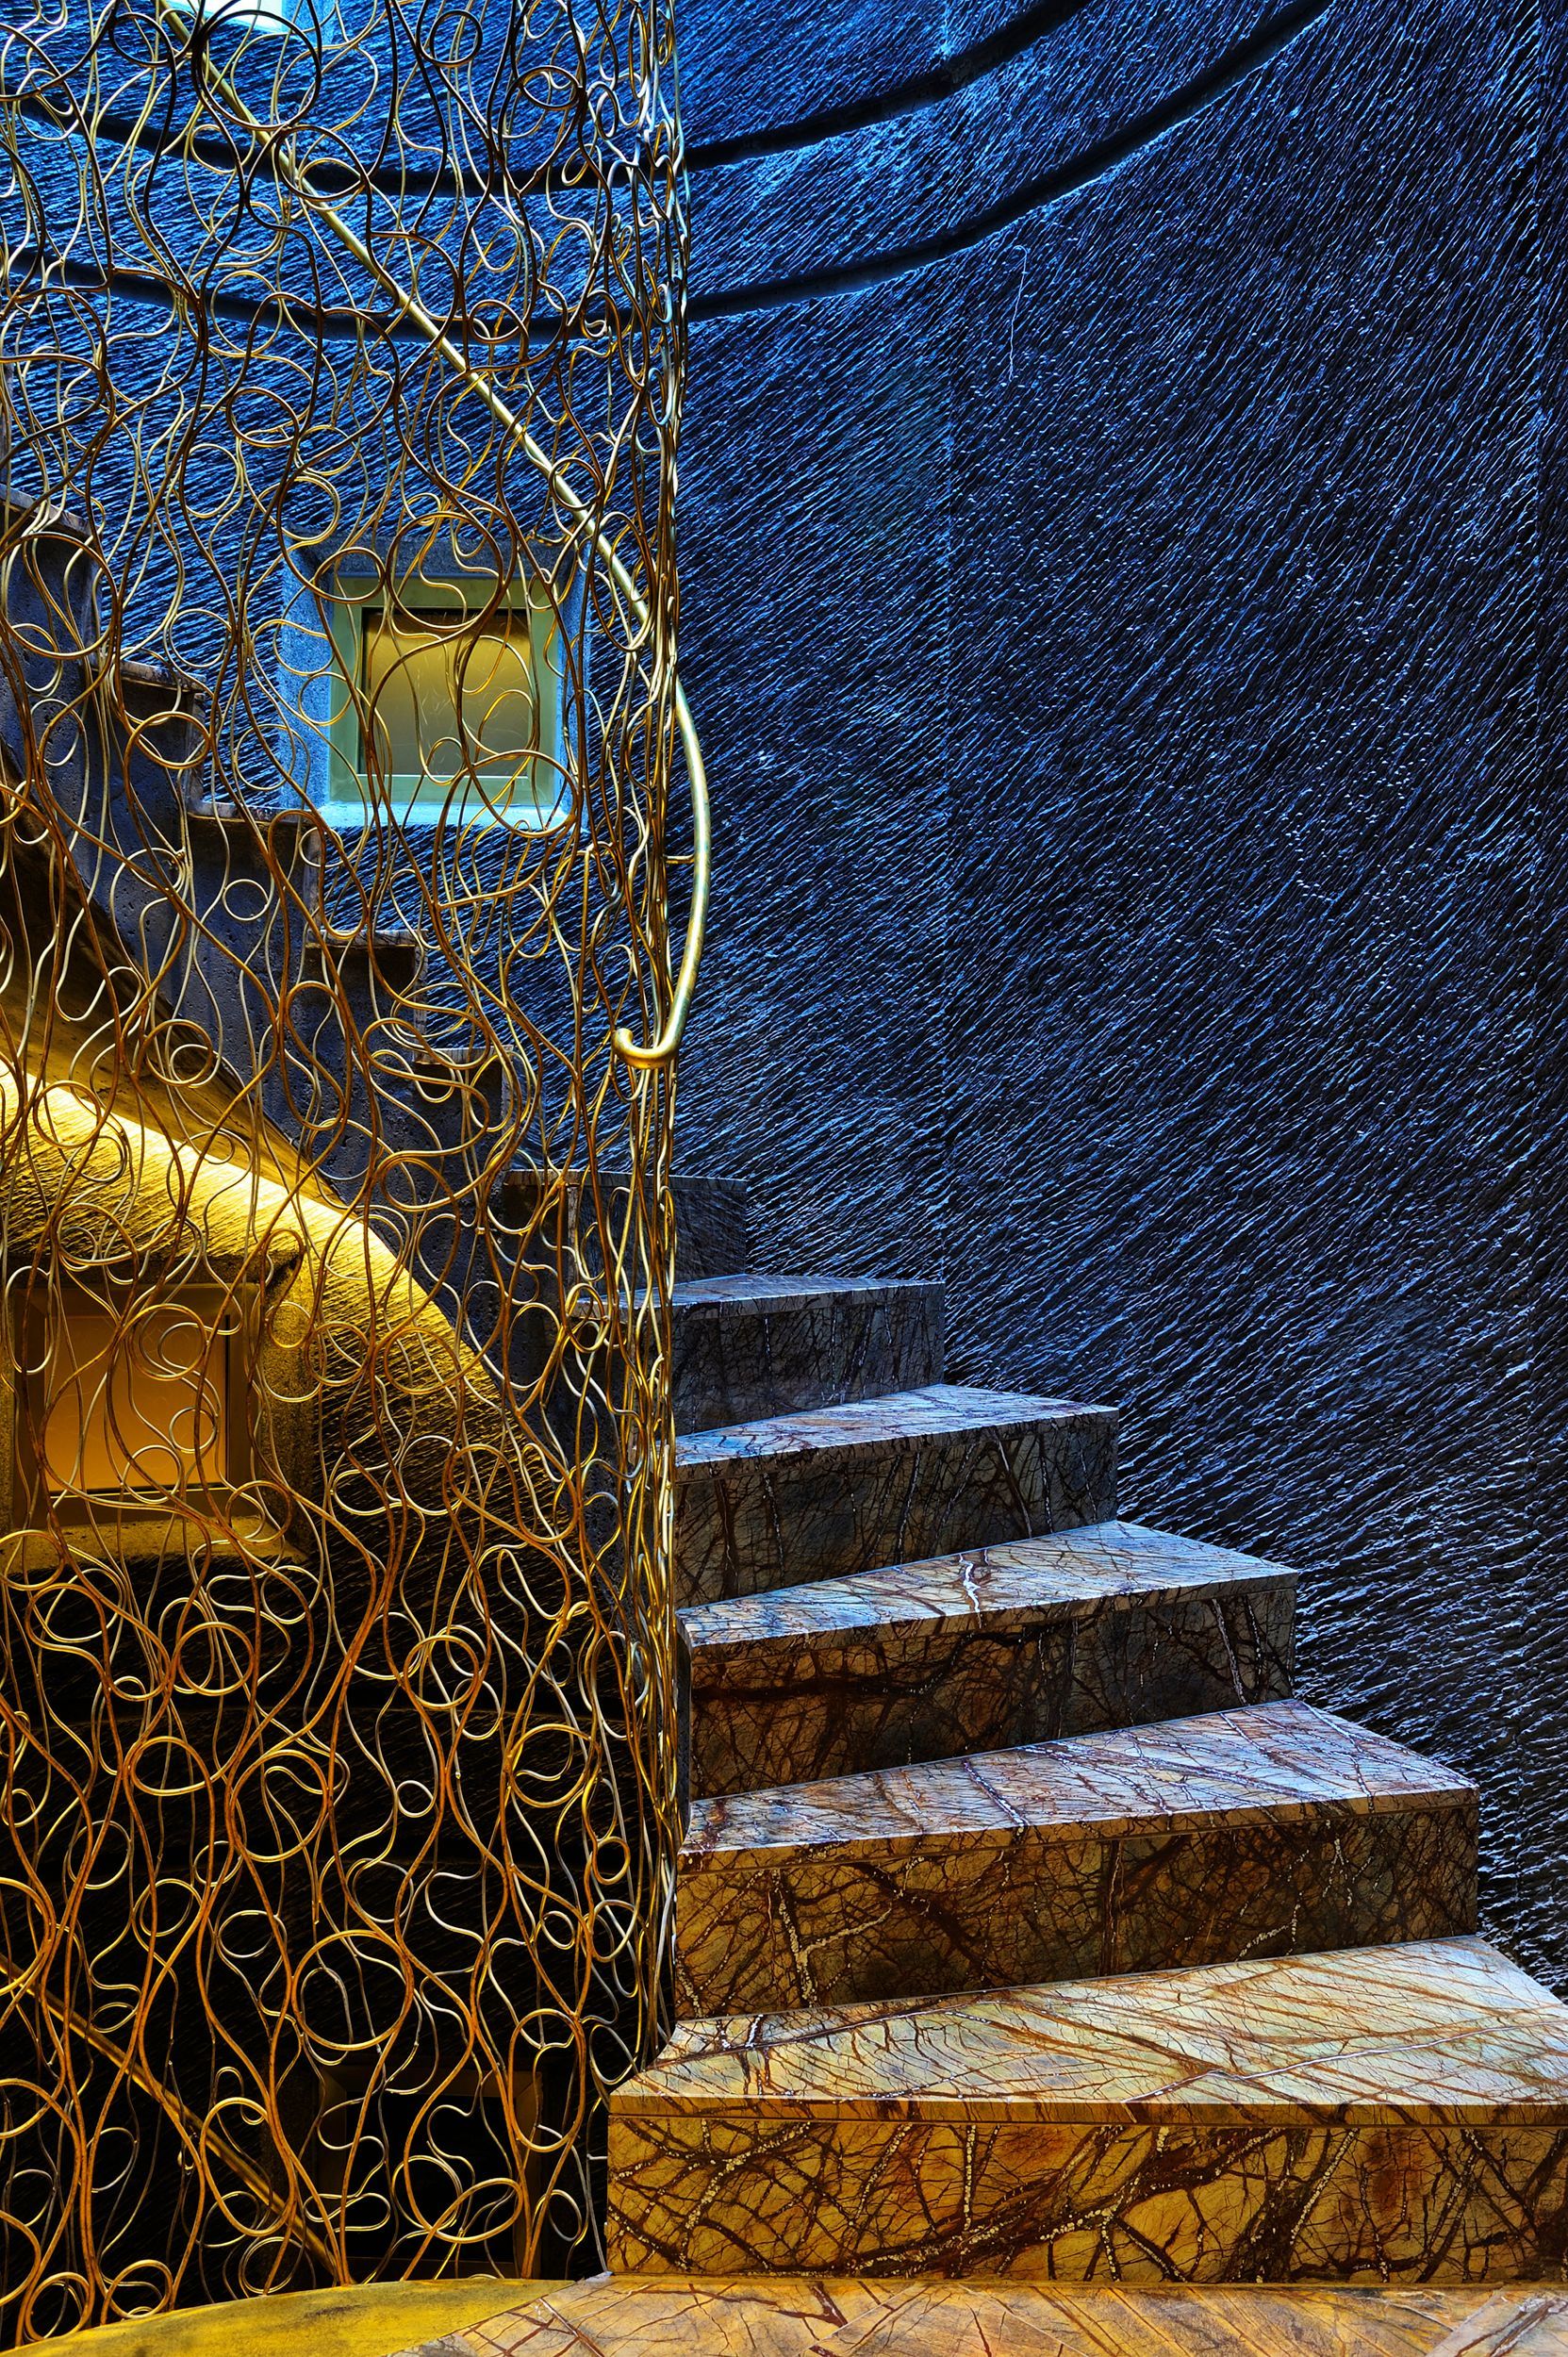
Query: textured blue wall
(1122, 603)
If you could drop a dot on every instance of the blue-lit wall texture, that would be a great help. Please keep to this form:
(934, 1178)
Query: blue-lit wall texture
(1122, 601)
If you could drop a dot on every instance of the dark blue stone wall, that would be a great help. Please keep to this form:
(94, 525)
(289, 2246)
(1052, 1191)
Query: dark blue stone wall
(1123, 506)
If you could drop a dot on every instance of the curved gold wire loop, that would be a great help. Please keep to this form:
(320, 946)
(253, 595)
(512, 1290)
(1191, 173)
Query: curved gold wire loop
(661, 1050)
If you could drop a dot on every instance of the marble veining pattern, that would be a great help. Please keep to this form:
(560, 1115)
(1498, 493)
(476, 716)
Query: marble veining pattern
(750, 1347)
(1244, 1832)
(673, 2315)
(669, 2317)
(1108, 1626)
(842, 1490)
(1396, 2112)
(1434, 2028)
(1010, 2318)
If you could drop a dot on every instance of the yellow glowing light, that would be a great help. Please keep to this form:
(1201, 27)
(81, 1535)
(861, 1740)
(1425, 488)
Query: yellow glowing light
(143, 1411)
(450, 698)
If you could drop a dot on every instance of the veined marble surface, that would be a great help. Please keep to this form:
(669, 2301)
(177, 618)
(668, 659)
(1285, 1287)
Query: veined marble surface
(1108, 1626)
(847, 1489)
(747, 1346)
(1244, 1833)
(1075, 1571)
(1375, 2114)
(674, 2316)
(838, 2316)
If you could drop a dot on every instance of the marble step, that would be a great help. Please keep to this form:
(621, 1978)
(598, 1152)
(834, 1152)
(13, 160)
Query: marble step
(1244, 1832)
(1376, 2113)
(712, 1215)
(713, 1224)
(757, 1346)
(1108, 1626)
(792, 2315)
(835, 1491)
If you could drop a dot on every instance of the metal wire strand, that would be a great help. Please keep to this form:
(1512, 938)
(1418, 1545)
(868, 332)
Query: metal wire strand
(340, 373)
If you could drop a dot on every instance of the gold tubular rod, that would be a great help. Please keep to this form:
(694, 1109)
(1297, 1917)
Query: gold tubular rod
(661, 1050)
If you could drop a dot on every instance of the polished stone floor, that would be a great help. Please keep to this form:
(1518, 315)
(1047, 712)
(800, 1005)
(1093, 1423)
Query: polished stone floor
(783, 2316)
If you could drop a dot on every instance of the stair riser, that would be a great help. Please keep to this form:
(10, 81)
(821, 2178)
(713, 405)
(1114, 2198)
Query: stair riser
(750, 1524)
(713, 1225)
(793, 1710)
(731, 1367)
(556, 1212)
(961, 1912)
(721, 2193)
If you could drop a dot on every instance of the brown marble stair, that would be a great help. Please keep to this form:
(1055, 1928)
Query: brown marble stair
(1379, 2113)
(846, 1489)
(849, 2317)
(759, 1346)
(1247, 1833)
(1103, 1626)
(1026, 1927)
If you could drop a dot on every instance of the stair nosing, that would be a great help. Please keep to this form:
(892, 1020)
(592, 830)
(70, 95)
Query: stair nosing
(795, 1292)
(907, 1611)
(656, 2092)
(807, 1432)
(1442, 1789)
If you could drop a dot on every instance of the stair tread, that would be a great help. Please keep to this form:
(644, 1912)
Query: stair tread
(898, 1418)
(796, 2316)
(738, 1296)
(1072, 1569)
(1435, 2029)
(1276, 1759)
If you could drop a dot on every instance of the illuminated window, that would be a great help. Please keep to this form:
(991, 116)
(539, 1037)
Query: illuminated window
(446, 708)
(132, 1403)
(133, 1413)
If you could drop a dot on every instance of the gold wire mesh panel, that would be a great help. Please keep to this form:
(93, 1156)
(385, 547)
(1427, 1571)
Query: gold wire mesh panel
(340, 382)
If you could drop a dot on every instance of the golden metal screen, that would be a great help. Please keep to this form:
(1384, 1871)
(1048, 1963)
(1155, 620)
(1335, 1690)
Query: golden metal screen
(337, 1683)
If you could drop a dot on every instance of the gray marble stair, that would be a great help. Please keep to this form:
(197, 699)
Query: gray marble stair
(762, 1345)
(835, 1491)
(1107, 1626)
(1244, 1832)
(713, 1224)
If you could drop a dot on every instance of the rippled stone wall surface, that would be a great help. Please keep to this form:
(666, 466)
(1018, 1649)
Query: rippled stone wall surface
(1123, 602)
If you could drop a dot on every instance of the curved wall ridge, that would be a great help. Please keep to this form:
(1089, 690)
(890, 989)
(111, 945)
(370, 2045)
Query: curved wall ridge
(745, 70)
(935, 175)
(1118, 648)
(995, 36)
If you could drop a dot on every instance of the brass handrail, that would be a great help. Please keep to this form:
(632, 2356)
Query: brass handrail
(661, 1050)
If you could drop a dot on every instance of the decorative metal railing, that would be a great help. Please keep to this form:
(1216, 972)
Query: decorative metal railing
(340, 370)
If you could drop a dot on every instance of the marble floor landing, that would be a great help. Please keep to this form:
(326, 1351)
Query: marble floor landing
(824, 2317)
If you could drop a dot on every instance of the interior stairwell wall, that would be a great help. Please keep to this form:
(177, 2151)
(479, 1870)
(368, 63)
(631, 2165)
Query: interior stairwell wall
(1123, 596)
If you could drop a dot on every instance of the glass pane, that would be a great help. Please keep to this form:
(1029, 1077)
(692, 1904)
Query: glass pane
(446, 695)
(141, 1412)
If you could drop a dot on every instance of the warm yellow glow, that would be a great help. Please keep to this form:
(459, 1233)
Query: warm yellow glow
(449, 697)
(143, 1411)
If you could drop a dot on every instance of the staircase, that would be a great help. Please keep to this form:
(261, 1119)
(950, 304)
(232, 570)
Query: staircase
(1026, 1925)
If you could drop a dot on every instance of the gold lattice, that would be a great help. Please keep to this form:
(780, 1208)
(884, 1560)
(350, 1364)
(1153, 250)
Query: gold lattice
(340, 378)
